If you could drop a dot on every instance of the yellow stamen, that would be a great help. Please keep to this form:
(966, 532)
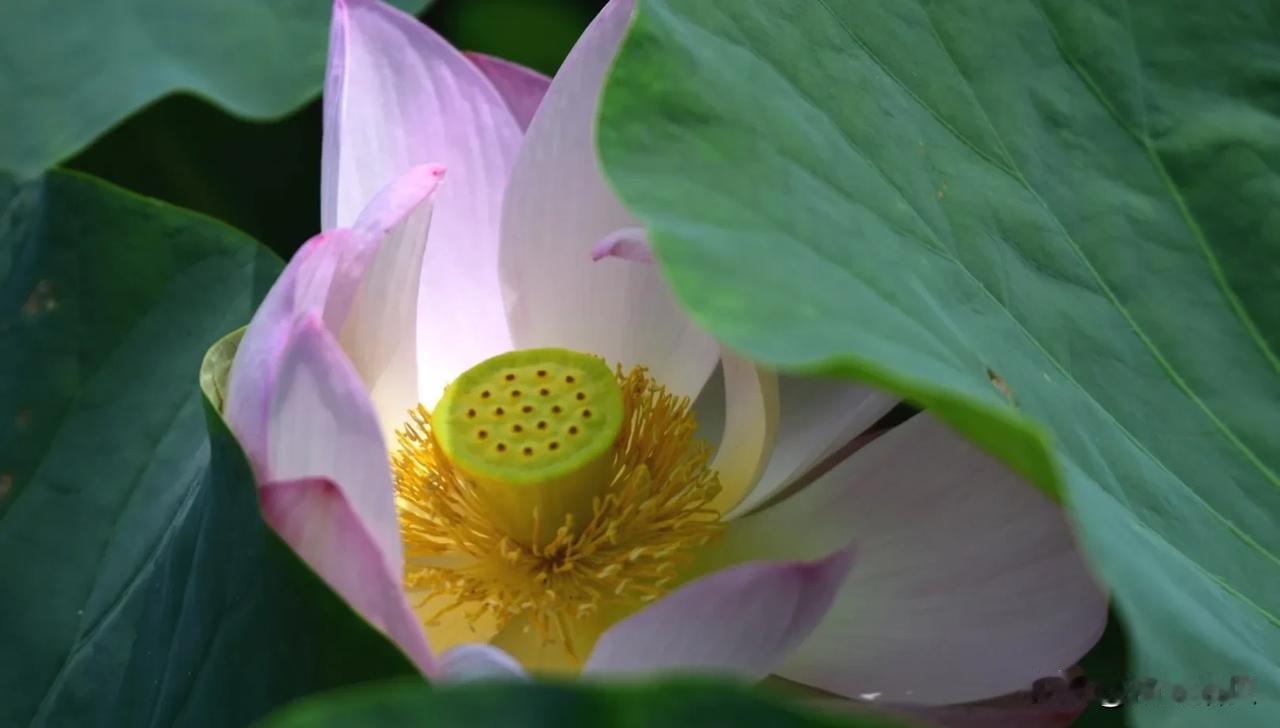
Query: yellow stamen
(646, 514)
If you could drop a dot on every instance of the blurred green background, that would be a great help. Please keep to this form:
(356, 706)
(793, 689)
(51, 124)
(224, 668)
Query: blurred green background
(264, 178)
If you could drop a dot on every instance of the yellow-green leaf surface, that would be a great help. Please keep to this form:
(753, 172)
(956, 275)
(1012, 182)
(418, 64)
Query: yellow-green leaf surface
(1055, 223)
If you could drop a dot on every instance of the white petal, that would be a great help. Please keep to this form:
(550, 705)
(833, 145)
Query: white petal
(379, 333)
(475, 661)
(398, 95)
(817, 416)
(968, 583)
(558, 208)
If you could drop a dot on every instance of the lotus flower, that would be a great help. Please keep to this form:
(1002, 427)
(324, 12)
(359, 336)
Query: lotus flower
(467, 404)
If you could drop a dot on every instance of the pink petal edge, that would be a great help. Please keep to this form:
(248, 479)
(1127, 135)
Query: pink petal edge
(304, 285)
(521, 88)
(743, 620)
(322, 424)
(380, 332)
(314, 517)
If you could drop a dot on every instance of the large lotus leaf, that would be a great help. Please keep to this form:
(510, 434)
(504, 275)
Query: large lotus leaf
(139, 584)
(70, 69)
(1056, 223)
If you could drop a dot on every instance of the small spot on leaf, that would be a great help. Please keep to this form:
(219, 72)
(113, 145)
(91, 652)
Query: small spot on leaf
(1001, 386)
(41, 299)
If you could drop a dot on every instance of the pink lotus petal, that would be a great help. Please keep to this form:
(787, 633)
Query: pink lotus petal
(403, 195)
(304, 285)
(322, 425)
(968, 583)
(314, 517)
(557, 208)
(743, 621)
(324, 277)
(379, 334)
(398, 95)
(522, 88)
(397, 216)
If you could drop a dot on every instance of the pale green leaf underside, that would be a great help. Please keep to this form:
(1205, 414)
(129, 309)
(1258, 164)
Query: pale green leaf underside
(1077, 201)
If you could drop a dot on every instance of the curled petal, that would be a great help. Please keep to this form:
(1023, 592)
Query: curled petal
(816, 417)
(628, 244)
(324, 277)
(380, 332)
(749, 432)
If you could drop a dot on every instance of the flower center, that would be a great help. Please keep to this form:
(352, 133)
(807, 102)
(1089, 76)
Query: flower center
(546, 488)
(534, 431)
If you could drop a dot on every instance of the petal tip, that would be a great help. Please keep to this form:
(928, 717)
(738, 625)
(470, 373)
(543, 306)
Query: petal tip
(476, 661)
(628, 244)
(307, 324)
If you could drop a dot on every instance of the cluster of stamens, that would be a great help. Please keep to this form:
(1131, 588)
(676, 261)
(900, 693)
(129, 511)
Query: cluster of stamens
(623, 548)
